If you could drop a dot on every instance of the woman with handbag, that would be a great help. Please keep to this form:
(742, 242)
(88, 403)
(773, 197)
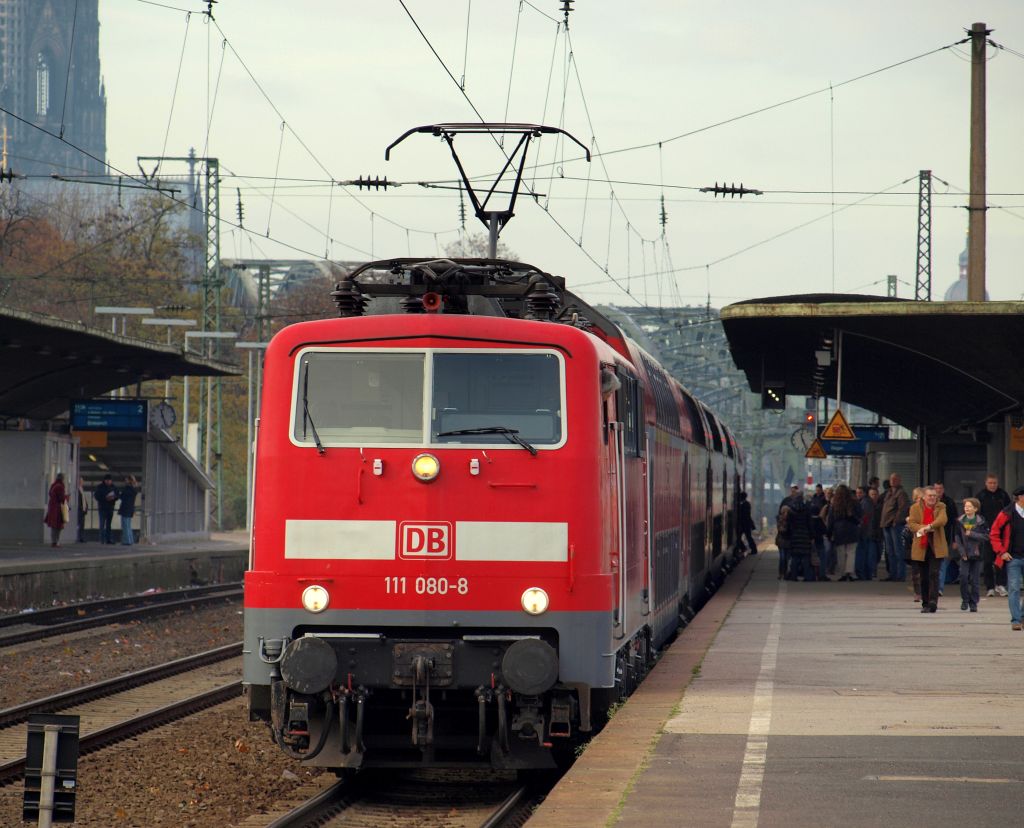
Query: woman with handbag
(57, 514)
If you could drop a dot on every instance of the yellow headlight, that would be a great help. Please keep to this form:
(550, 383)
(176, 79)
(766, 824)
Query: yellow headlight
(535, 601)
(425, 467)
(315, 598)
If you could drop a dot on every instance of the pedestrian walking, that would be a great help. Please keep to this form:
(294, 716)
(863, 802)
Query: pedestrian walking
(745, 522)
(970, 537)
(1007, 539)
(993, 500)
(927, 519)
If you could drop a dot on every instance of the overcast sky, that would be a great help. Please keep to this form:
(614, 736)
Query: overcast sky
(311, 91)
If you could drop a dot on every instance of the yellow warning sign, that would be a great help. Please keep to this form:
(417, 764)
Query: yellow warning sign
(816, 452)
(838, 428)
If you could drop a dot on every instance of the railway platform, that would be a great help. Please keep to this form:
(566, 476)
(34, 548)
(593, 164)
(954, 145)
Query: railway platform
(814, 704)
(36, 575)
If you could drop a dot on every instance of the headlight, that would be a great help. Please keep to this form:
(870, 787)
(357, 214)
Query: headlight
(315, 598)
(425, 467)
(535, 601)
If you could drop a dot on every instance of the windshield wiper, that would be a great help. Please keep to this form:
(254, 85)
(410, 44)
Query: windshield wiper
(510, 434)
(305, 412)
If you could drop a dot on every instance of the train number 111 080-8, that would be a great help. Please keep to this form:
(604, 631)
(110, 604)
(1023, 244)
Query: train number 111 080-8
(399, 585)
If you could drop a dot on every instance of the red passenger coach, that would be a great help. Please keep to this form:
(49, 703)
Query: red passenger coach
(479, 510)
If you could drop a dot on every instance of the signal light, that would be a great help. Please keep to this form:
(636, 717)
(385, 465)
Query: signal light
(809, 418)
(773, 397)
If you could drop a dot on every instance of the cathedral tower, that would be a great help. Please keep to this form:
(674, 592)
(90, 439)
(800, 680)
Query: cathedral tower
(39, 41)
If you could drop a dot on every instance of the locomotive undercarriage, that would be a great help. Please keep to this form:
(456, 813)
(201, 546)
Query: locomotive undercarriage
(484, 699)
(350, 700)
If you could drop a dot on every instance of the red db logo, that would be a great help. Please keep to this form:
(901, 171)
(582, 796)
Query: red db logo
(425, 540)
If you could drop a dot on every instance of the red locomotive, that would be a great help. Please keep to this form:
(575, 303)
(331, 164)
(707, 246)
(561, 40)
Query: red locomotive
(479, 510)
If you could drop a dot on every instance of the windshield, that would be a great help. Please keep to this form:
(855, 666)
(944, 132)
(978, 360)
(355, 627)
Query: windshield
(363, 398)
(496, 390)
(360, 398)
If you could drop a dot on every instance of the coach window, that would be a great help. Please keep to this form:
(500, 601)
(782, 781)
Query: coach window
(496, 390)
(629, 405)
(364, 398)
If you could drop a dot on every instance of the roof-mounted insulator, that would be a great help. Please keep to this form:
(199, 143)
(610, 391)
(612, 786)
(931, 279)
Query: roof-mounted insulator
(348, 298)
(730, 190)
(542, 300)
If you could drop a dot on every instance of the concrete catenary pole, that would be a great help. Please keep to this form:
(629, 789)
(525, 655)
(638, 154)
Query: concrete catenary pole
(976, 207)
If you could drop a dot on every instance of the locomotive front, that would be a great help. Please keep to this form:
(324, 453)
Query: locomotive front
(430, 568)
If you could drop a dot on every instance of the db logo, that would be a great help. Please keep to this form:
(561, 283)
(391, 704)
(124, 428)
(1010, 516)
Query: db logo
(425, 540)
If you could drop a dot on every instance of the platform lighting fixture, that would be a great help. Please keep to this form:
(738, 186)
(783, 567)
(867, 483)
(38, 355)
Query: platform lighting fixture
(823, 357)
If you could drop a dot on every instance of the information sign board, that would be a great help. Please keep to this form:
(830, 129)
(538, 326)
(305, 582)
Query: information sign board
(110, 415)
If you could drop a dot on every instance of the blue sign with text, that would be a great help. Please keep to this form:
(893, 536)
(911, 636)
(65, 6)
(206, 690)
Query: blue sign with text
(110, 415)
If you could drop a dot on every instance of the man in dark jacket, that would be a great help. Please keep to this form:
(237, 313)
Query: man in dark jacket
(895, 507)
(799, 540)
(745, 522)
(1007, 538)
(993, 500)
(105, 497)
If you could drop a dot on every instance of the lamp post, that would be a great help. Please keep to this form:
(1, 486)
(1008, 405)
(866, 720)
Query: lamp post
(250, 347)
(207, 335)
(169, 323)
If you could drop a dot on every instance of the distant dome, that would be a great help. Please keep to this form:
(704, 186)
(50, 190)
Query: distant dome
(957, 292)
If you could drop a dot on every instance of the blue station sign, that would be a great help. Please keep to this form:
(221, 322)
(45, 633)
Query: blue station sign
(857, 446)
(110, 415)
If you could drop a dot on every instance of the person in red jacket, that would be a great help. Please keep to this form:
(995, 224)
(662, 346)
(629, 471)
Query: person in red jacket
(1007, 537)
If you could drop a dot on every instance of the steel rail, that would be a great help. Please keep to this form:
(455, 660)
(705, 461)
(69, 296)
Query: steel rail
(51, 615)
(15, 769)
(61, 701)
(103, 620)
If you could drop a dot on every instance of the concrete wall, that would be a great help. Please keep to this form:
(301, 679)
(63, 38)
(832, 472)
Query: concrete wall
(29, 462)
(39, 584)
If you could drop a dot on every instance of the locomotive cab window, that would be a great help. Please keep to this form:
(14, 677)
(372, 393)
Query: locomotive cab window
(416, 398)
(348, 397)
(495, 390)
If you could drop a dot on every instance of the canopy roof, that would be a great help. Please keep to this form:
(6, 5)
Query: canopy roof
(45, 362)
(943, 365)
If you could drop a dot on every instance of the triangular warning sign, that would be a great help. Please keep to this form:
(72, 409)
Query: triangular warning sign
(838, 428)
(816, 452)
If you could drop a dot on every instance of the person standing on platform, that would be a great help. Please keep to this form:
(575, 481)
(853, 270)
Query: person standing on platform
(993, 500)
(127, 508)
(895, 507)
(800, 540)
(970, 537)
(927, 519)
(745, 522)
(81, 509)
(816, 505)
(842, 527)
(105, 497)
(907, 539)
(56, 509)
(1007, 539)
(950, 528)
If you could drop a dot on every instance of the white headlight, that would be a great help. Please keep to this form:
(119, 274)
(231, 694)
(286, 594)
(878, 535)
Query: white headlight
(425, 467)
(535, 601)
(315, 598)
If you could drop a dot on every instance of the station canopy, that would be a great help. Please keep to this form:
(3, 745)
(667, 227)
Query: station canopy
(45, 362)
(942, 365)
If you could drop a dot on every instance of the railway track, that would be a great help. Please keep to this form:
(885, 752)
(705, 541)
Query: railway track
(413, 799)
(38, 625)
(102, 719)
